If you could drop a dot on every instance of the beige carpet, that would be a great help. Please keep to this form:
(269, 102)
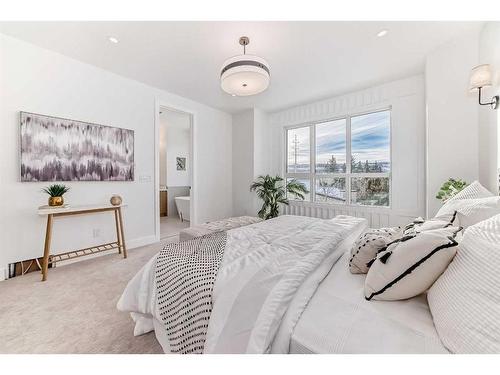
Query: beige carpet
(170, 225)
(74, 311)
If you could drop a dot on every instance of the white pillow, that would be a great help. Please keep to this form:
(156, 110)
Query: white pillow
(368, 245)
(473, 191)
(472, 211)
(465, 300)
(410, 266)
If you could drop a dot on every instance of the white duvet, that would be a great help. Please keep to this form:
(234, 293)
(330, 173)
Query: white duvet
(269, 272)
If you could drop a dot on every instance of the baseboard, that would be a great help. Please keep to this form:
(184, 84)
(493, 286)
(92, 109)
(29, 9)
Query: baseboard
(142, 241)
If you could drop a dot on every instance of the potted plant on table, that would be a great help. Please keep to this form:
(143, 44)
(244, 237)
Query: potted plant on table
(273, 192)
(56, 192)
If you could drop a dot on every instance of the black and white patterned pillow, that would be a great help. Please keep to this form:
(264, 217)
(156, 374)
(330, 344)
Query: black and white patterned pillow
(421, 225)
(368, 245)
(409, 266)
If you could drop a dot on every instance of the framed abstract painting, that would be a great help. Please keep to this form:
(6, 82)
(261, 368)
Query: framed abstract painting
(58, 149)
(180, 163)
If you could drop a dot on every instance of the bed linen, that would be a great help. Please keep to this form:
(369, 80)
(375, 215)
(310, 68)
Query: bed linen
(338, 319)
(269, 272)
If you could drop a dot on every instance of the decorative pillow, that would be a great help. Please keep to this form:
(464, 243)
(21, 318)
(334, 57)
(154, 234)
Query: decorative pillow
(409, 267)
(473, 191)
(368, 245)
(465, 300)
(472, 211)
(420, 225)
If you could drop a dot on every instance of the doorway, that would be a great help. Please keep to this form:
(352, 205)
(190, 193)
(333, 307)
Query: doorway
(174, 171)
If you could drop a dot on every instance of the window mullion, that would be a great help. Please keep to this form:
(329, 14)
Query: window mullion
(286, 152)
(312, 159)
(348, 160)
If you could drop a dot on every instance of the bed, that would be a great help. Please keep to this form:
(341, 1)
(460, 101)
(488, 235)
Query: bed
(284, 287)
(339, 320)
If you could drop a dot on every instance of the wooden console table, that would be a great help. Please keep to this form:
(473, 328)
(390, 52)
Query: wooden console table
(52, 212)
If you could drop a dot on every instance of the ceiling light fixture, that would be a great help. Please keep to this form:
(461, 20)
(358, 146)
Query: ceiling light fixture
(382, 33)
(244, 75)
(112, 39)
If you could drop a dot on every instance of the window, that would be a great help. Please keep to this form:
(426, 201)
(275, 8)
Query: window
(298, 150)
(345, 160)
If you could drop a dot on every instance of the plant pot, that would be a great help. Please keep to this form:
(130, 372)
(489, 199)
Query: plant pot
(56, 201)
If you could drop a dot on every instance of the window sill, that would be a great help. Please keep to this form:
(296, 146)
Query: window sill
(340, 206)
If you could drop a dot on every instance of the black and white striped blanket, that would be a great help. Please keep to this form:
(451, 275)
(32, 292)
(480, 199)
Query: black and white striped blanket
(185, 275)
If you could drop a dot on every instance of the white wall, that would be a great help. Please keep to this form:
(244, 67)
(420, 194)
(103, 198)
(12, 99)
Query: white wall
(163, 152)
(406, 97)
(37, 80)
(262, 147)
(262, 143)
(252, 151)
(489, 120)
(175, 127)
(452, 116)
(243, 163)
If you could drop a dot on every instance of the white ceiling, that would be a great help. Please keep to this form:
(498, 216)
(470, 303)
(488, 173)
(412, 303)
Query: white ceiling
(308, 60)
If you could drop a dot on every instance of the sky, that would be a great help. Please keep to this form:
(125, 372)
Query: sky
(370, 136)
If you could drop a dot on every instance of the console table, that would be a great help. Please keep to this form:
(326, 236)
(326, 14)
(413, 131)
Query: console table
(52, 212)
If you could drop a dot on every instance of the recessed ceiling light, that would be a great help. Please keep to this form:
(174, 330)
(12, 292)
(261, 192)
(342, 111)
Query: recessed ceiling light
(233, 94)
(382, 33)
(112, 39)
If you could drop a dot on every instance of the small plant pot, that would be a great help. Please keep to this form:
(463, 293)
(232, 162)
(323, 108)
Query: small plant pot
(56, 201)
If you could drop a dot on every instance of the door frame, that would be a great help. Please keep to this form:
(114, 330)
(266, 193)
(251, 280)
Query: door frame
(165, 105)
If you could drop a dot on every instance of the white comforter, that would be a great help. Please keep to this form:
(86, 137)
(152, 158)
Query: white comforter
(269, 272)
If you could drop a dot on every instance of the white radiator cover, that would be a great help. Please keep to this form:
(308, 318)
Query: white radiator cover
(376, 217)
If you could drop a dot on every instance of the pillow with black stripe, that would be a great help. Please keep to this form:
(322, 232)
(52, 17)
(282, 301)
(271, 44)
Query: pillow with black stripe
(420, 225)
(473, 191)
(410, 266)
(473, 211)
(368, 245)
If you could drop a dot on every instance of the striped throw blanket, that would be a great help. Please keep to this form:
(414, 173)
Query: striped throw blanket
(185, 275)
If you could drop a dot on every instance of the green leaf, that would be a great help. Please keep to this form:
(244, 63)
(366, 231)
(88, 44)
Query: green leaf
(450, 188)
(56, 190)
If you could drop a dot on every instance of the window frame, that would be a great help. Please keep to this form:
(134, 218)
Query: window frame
(348, 175)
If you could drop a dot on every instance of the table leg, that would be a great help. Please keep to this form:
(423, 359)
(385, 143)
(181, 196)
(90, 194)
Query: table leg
(121, 232)
(118, 236)
(46, 250)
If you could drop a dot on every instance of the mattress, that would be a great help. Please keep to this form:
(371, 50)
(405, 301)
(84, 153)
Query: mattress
(339, 320)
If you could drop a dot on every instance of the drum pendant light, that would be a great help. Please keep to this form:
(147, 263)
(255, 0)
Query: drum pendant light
(244, 75)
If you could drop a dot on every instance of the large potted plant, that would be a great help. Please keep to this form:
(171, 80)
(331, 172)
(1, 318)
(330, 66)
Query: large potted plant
(273, 192)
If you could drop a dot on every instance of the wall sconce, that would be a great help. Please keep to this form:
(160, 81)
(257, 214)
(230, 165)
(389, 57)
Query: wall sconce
(480, 77)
